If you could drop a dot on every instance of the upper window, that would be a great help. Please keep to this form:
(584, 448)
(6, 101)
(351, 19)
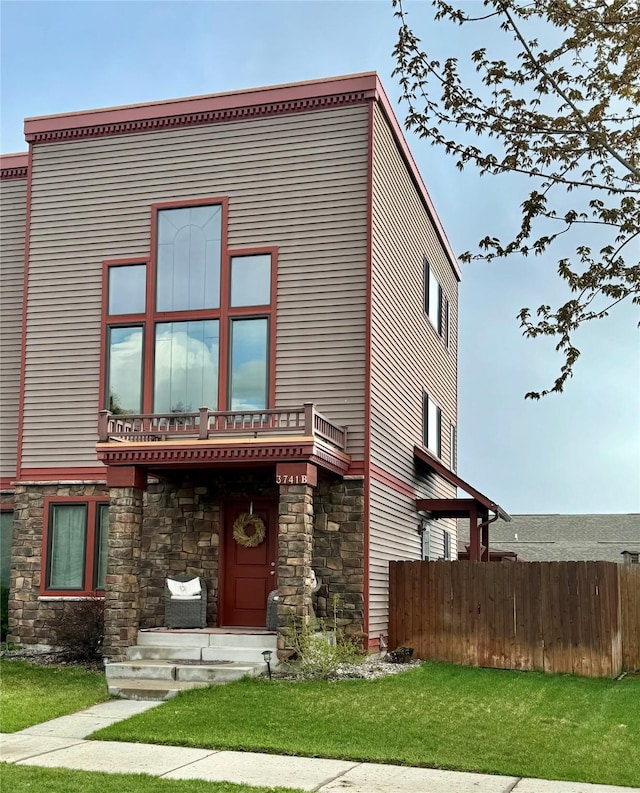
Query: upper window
(251, 280)
(192, 327)
(188, 258)
(127, 286)
(432, 425)
(432, 297)
(76, 546)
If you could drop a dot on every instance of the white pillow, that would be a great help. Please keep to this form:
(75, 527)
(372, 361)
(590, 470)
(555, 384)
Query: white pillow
(184, 590)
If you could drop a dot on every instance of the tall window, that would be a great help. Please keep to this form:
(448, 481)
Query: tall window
(192, 326)
(432, 297)
(432, 425)
(76, 546)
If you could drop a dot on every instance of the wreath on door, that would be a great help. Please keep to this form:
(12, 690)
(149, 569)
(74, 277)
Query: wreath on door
(240, 527)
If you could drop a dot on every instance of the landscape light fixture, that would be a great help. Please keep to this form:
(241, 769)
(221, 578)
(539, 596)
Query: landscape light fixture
(266, 654)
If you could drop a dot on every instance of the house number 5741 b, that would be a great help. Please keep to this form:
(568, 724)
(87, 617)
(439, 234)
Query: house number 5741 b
(291, 479)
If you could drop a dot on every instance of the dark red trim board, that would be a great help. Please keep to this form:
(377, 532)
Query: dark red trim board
(25, 307)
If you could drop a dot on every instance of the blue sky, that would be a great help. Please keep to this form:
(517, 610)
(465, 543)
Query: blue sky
(579, 452)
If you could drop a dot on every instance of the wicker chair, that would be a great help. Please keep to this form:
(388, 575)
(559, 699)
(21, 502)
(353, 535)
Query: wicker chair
(180, 613)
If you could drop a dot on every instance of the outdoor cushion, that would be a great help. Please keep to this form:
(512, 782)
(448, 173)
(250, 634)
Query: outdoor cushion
(185, 590)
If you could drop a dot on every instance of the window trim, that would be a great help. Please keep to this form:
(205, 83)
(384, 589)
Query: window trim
(90, 546)
(224, 313)
(426, 399)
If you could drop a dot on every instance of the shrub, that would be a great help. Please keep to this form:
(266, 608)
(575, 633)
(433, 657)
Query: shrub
(79, 629)
(401, 655)
(322, 648)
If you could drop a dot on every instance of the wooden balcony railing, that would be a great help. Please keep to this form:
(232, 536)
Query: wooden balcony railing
(207, 424)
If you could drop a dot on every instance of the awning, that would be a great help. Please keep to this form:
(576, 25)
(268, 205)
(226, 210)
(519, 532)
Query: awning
(454, 507)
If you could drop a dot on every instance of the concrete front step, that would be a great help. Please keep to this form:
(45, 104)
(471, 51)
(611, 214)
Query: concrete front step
(159, 670)
(210, 654)
(149, 689)
(262, 640)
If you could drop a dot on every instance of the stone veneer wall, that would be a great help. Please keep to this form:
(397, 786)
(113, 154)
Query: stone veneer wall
(30, 618)
(338, 553)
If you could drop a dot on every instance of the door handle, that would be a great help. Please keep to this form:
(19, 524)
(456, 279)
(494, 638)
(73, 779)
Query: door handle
(273, 572)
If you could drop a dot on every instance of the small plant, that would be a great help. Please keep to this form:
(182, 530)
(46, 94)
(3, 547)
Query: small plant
(79, 629)
(401, 655)
(323, 648)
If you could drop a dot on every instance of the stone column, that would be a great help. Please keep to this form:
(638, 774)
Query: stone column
(122, 595)
(295, 541)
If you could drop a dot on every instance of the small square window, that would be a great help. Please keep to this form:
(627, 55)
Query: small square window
(127, 289)
(251, 280)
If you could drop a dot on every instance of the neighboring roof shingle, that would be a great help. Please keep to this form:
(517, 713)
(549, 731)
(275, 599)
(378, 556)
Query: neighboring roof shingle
(548, 538)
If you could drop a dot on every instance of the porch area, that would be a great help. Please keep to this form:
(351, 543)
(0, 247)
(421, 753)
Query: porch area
(251, 503)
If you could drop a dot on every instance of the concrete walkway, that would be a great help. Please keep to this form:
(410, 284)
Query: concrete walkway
(60, 744)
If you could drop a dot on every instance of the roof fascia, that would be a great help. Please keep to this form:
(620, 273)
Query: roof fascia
(453, 479)
(331, 88)
(414, 172)
(14, 166)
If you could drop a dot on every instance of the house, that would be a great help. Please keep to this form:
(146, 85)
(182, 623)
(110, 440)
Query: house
(230, 351)
(557, 538)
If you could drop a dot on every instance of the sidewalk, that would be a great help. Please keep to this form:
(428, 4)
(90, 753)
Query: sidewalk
(60, 743)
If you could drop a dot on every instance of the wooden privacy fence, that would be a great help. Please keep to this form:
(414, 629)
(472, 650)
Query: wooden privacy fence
(577, 617)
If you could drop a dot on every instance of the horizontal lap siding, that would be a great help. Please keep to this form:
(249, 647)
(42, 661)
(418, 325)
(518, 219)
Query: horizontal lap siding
(408, 357)
(13, 208)
(394, 535)
(297, 182)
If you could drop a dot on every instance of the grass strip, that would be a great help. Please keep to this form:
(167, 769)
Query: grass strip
(484, 720)
(32, 694)
(27, 779)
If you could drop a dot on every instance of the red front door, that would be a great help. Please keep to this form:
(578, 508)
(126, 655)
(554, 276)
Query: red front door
(249, 573)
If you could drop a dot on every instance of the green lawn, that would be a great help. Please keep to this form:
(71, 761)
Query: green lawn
(33, 694)
(492, 721)
(29, 779)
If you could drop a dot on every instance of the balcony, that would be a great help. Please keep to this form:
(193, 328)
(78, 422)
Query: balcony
(220, 437)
